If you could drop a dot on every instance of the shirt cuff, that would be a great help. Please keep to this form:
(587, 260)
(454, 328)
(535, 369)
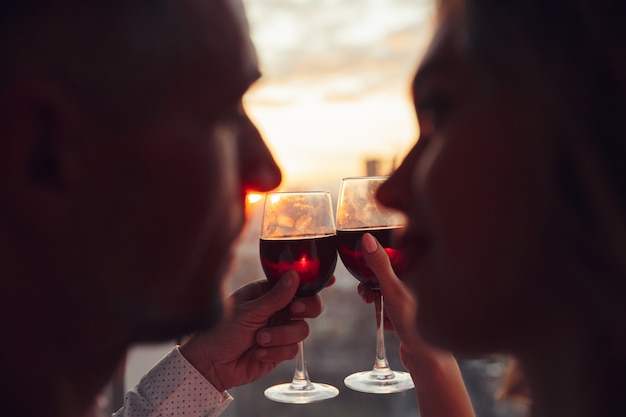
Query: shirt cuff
(173, 388)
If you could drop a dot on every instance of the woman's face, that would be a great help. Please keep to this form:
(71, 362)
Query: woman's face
(471, 189)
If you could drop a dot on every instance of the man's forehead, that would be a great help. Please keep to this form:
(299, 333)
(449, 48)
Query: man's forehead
(249, 52)
(236, 10)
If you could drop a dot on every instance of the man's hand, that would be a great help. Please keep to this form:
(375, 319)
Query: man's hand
(261, 328)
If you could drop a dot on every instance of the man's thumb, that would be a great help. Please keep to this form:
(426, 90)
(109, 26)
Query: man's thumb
(281, 294)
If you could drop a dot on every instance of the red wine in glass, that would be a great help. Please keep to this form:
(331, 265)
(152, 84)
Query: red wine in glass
(349, 248)
(314, 259)
(298, 233)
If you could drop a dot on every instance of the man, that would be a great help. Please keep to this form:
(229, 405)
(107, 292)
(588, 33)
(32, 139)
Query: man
(125, 156)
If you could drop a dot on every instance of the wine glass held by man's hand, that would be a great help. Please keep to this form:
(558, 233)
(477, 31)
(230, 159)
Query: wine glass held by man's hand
(298, 233)
(358, 212)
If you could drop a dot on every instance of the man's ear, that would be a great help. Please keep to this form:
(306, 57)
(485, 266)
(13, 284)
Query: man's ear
(38, 124)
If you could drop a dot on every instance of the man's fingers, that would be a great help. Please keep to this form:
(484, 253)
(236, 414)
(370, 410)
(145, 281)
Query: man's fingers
(279, 296)
(294, 332)
(277, 354)
(306, 307)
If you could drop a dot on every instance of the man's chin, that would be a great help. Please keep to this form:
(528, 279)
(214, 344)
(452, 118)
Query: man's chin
(210, 316)
(180, 327)
(206, 318)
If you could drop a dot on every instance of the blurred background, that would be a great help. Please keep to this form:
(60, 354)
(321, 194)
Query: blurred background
(335, 85)
(334, 102)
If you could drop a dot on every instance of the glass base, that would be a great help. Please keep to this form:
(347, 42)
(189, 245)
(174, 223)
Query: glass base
(376, 383)
(293, 394)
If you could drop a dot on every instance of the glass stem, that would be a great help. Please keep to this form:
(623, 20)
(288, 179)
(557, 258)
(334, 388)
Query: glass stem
(381, 365)
(301, 381)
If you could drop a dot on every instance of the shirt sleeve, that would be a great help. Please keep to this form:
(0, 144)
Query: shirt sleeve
(174, 388)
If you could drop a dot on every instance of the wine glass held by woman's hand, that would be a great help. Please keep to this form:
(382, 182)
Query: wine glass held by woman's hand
(298, 234)
(358, 212)
(439, 385)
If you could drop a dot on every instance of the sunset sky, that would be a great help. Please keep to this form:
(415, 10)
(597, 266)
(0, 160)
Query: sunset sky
(336, 75)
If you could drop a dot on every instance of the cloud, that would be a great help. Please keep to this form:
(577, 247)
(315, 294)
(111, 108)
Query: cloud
(336, 75)
(372, 42)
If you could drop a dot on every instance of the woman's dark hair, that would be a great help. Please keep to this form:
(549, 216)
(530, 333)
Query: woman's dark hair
(574, 54)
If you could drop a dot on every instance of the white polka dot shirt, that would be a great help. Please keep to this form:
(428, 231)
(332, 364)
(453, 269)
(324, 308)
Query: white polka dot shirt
(174, 388)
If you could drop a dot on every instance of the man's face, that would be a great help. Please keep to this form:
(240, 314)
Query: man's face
(164, 203)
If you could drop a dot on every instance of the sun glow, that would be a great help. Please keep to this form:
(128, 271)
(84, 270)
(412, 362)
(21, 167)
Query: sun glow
(252, 206)
(320, 140)
(253, 198)
(335, 91)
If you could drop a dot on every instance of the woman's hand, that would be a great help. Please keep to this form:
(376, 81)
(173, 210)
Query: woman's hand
(438, 382)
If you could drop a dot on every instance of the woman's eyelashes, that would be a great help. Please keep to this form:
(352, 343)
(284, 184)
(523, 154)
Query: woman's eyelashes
(432, 111)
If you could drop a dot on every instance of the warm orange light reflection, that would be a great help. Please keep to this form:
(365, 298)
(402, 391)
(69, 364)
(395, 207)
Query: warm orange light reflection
(318, 140)
(254, 198)
(251, 203)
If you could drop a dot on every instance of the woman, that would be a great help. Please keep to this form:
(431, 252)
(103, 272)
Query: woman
(516, 197)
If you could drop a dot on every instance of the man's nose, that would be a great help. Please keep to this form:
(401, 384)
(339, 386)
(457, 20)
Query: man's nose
(259, 170)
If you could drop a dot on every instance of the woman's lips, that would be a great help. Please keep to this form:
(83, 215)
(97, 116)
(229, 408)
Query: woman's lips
(415, 245)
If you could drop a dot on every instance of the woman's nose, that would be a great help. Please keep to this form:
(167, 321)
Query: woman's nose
(395, 192)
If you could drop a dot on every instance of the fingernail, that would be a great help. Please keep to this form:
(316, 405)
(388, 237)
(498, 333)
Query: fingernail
(261, 353)
(365, 295)
(264, 338)
(287, 279)
(368, 243)
(298, 307)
